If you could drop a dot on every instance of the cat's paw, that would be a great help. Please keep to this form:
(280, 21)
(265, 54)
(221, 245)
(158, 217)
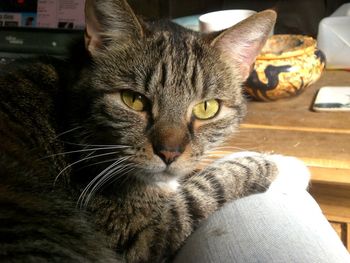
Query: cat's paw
(293, 174)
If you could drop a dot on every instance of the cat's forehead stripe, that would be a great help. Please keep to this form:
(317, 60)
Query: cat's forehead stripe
(178, 67)
(173, 66)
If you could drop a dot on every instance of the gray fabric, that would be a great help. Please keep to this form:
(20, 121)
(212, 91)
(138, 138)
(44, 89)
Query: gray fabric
(270, 227)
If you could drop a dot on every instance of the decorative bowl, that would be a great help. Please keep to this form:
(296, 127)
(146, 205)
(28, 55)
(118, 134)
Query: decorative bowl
(286, 65)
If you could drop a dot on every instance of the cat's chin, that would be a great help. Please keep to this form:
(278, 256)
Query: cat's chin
(166, 175)
(158, 177)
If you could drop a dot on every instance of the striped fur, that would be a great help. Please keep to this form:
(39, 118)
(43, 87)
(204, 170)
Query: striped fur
(88, 179)
(150, 223)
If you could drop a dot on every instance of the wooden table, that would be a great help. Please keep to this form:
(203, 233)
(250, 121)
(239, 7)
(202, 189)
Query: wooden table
(322, 140)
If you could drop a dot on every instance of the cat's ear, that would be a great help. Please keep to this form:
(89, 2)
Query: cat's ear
(109, 20)
(243, 42)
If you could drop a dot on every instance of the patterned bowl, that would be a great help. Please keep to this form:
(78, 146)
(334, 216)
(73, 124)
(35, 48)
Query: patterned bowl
(285, 67)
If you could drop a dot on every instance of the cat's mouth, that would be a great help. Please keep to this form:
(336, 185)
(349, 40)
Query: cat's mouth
(165, 171)
(152, 168)
(162, 173)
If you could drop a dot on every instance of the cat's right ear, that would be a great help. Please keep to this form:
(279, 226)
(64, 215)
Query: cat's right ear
(242, 43)
(107, 21)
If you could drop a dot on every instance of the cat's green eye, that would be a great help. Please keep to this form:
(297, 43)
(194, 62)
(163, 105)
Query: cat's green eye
(206, 109)
(134, 100)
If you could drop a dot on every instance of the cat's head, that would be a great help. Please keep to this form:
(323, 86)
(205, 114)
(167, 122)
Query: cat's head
(167, 93)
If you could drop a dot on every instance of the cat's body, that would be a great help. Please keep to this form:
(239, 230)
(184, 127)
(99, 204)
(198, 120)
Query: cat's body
(135, 114)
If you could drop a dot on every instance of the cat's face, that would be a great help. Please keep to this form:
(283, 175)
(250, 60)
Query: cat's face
(169, 99)
(169, 95)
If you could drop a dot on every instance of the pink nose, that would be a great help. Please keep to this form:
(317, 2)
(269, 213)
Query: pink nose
(168, 156)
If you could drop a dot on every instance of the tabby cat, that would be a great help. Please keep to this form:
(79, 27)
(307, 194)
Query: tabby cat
(99, 152)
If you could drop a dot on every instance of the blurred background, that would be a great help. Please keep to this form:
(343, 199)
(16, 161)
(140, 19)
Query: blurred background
(294, 17)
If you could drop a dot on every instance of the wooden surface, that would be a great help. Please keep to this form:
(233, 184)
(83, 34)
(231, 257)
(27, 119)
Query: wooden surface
(321, 139)
(334, 201)
(290, 127)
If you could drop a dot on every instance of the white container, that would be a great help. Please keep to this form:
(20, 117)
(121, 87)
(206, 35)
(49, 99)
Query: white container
(334, 38)
(219, 20)
(343, 10)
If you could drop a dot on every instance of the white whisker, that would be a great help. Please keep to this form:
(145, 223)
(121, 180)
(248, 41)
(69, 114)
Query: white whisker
(228, 148)
(82, 160)
(92, 145)
(68, 131)
(119, 177)
(87, 150)
(107, 177)
(97, 163)
(100, 175)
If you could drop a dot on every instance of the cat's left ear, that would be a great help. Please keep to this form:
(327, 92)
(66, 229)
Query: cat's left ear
(243, 42)
(109, 20)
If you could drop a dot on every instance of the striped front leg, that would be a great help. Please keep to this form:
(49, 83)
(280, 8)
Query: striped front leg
(223, 181)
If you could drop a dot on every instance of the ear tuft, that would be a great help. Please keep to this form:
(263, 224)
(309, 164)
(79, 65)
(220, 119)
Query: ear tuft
(109, 20)
(242, 42)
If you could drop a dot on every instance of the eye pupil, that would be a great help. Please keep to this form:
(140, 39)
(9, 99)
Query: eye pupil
(134, 100)
(206, 110)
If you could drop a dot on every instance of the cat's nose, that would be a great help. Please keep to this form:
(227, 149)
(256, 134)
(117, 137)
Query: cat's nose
(169, 141)
(168, 156)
